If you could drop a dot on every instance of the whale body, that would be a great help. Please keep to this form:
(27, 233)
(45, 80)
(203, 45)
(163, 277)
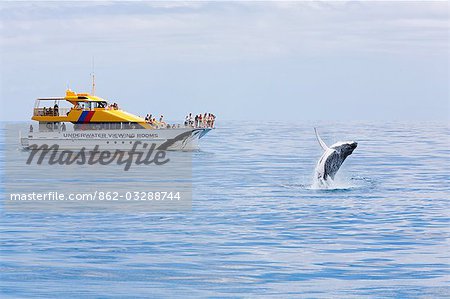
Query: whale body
(332, 159)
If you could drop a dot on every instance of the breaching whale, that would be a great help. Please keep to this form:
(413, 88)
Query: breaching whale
(332, 159)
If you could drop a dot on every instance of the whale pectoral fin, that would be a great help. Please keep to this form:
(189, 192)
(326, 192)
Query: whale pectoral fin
(321, 142)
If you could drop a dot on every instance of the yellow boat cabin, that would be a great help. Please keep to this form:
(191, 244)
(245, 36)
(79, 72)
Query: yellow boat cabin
(85, 111)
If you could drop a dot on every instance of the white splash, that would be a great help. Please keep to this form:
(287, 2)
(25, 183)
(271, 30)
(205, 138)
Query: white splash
(339, 183)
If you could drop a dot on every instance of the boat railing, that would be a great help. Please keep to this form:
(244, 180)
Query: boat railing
(51, 111)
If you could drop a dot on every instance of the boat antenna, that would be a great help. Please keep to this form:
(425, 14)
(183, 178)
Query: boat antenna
(93, 76)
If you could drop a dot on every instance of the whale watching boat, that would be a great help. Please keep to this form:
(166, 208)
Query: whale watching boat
(88, 121)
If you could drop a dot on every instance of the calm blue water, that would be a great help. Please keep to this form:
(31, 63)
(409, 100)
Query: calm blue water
(256, 227)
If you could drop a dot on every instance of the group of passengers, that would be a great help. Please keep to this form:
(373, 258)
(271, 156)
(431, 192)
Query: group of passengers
(200, 121)
(157, 123)
(113, 106)
(52, 126)
(51, 111)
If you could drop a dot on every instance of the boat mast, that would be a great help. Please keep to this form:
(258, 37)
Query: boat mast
(93, 77)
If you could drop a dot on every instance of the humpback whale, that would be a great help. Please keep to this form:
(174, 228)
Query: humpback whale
(332, 159)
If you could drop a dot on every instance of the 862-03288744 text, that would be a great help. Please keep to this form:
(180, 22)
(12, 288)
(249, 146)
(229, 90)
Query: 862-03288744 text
(98, 195)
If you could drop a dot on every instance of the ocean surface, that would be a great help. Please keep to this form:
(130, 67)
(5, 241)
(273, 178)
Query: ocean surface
(257, 227)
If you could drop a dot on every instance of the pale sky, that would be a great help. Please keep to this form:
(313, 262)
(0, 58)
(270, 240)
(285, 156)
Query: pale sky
(294, 61)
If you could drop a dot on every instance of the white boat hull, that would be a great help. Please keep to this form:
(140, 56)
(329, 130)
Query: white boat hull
(165, 139)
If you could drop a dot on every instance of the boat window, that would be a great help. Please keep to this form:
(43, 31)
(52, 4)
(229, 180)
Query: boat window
(95, 105)
(86, 105)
